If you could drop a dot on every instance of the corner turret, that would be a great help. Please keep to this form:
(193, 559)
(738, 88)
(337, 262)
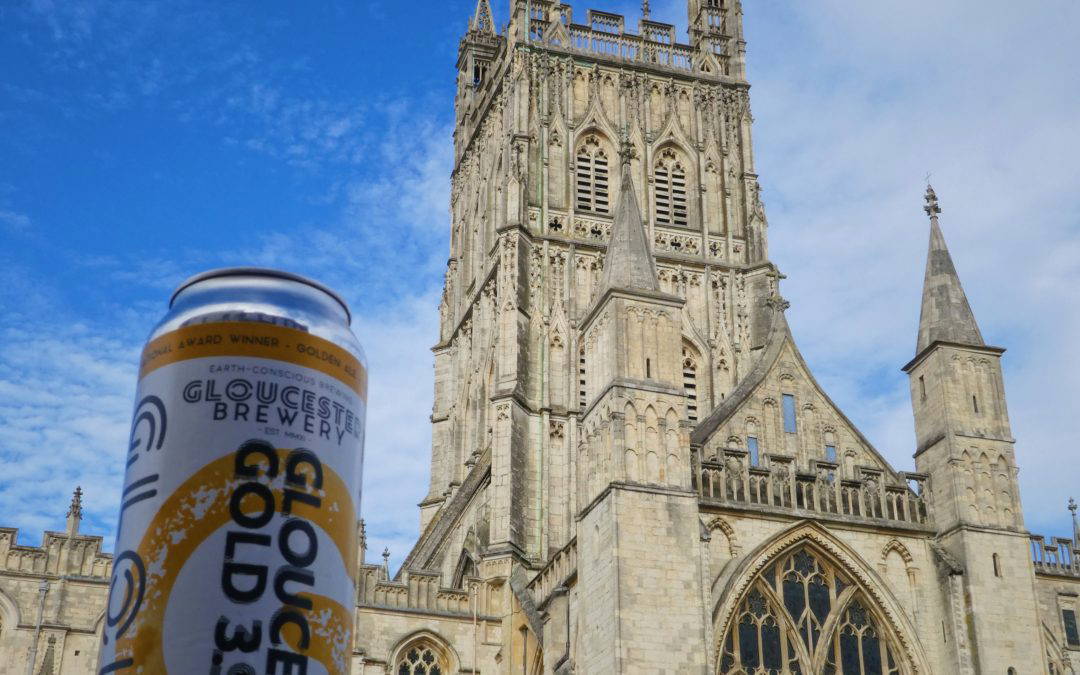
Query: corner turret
(966, 447)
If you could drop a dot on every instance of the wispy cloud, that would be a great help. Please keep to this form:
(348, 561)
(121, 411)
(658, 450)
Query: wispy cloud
(14, 221)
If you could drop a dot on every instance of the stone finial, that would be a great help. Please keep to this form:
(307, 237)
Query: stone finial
(645, 9)
(1076, 523)
(386, 561)
(76, 503)
(933, 207)
(75, 512)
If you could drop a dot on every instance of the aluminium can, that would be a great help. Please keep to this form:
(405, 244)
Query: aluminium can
(237, 539)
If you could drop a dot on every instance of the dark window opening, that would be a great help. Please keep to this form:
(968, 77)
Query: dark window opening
(1072, 635)
(789, 413)
(752, 446)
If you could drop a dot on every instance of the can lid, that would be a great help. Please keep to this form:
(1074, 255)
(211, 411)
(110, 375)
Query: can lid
(259, 272)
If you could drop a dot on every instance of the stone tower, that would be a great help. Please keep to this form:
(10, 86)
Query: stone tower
(965, 444)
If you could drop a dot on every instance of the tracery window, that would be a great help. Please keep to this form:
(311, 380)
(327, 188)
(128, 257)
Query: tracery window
(669, 177)
(421, 659)
(592, 177)
(804, 616)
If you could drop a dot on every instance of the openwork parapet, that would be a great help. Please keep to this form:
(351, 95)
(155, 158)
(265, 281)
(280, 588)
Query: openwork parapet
(605, 35)
(730, 480)
(561, 567)
(1059, 557)
(417, 592)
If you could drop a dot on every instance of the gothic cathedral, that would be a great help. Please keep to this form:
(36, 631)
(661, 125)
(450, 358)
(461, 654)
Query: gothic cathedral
(633, 469)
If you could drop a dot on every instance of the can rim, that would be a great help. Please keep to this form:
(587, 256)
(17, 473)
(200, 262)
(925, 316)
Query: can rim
(259, 272)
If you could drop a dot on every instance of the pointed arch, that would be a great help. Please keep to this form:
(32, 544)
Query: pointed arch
(722, 547)
(424, 652)
(594, 160)
(848, 598)
(672, 178)
(694, 385)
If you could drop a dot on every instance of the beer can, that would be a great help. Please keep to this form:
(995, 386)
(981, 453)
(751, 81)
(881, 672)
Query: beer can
(237, 541)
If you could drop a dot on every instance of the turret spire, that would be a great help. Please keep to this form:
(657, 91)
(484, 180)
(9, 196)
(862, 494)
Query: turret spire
(630, 264)
(946, 313)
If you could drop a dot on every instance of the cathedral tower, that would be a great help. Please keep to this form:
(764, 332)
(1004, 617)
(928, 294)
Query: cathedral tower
(633, 468)
(965, 444)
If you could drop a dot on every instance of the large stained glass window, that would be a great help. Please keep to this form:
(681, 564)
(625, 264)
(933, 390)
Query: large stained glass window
(802, 616)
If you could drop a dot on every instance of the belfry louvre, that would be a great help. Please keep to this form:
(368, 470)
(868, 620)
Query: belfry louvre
(633, 469)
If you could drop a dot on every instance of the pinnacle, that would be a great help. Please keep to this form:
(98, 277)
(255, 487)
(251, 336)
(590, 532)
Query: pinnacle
(483, 20)
(946, 313)
(76, 503)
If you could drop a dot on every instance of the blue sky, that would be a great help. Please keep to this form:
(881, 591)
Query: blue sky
(143, 142)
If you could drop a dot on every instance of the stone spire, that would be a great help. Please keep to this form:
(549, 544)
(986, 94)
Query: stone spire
(629, 264)
(946, 314)
(74, 514)
(645, 11)
(483, 20)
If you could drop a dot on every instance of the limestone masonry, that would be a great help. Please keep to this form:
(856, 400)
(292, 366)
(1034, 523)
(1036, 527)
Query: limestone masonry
(633, 469)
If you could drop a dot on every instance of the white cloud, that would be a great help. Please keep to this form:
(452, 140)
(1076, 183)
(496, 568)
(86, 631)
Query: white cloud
(14, 221)
(65, 398)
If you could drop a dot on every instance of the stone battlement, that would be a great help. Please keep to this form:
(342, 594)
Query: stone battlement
(60, 554)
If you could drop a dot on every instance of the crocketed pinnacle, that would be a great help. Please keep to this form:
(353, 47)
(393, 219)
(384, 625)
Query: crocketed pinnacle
(946, 313)
(76, 503)
(483, 20)
(629, 264)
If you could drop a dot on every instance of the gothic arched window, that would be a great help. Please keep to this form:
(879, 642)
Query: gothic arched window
(669, 177)
(803, 616)
(592, 177)
(421, 658)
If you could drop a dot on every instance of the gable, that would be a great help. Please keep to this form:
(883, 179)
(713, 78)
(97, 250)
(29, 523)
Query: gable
(783, 407)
